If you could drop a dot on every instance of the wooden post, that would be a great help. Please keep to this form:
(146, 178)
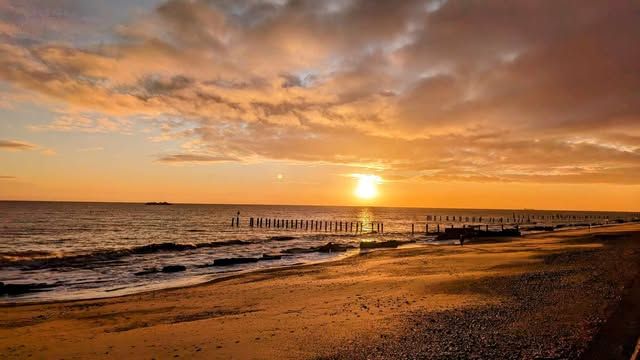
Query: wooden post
(233, 221)
(238, 219)
(382, 228)
(412, 228)
(438, 228)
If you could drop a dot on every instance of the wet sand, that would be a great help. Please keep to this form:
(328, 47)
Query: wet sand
(566, 294)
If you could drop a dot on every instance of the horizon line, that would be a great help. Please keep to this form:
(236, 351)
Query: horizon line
(314, 205)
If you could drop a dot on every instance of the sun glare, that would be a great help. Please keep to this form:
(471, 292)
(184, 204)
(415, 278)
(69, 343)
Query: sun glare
(367, 187)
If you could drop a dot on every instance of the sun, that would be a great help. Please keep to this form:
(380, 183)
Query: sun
(367, 187)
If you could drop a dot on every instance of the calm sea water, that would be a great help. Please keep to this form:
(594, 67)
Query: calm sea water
(96, 249)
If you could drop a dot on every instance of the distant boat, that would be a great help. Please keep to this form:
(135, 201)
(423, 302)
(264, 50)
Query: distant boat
(158, 203)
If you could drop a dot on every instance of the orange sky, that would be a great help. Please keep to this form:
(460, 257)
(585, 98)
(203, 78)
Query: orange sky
(452, 103)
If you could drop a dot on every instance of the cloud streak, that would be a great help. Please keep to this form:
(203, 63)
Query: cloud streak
(193, 158)
(16, 145)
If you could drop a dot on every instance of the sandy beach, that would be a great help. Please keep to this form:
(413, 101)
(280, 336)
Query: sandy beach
(566, 294)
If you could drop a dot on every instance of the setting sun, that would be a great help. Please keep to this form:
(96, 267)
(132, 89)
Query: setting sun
(367, 186)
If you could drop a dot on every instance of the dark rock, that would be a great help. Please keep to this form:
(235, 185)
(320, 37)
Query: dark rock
(270, 257)
(328, 247)
(147, 271)
(282, 238)
(18, 289)
(382, 244)
(298, 250)
(153, 248)
(173, 268)
(331, 247)
(540, 228)
(233, 261)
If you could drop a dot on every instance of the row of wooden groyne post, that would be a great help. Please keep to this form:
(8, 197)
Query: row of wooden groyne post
(435, 224)
(312, 225)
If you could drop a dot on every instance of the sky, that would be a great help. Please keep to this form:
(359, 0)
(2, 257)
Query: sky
(474, 104)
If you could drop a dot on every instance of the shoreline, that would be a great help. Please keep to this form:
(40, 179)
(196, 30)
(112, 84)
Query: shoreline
(185, 283)
(381, 302)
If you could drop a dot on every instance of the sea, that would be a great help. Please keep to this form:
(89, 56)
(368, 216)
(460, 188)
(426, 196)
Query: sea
(76, 250)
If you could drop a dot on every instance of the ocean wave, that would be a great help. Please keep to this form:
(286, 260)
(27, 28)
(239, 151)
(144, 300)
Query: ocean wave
(25, 254)
(39, 261)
